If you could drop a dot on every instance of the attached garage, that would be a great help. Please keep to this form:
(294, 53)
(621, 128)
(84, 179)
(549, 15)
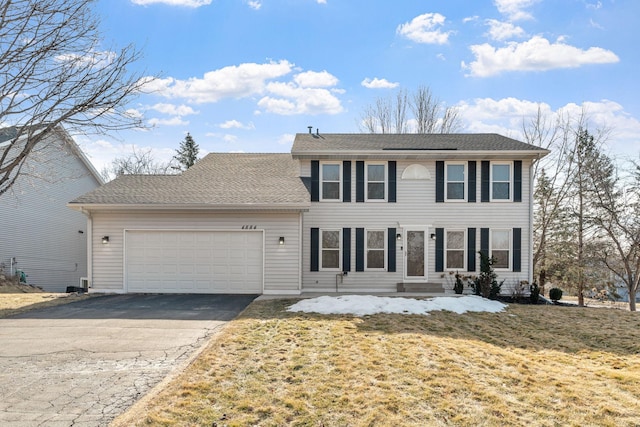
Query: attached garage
(198, 261)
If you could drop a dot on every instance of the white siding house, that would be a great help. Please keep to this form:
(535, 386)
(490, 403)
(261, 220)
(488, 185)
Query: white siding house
(40, 235)
(342, 213)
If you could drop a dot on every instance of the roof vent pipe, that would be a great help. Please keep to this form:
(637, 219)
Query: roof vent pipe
(317, 131)
(310, 129)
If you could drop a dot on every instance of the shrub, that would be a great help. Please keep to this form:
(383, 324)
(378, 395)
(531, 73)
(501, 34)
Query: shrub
(534, 293)
(555, 294)
(486, 284)
(458, 286)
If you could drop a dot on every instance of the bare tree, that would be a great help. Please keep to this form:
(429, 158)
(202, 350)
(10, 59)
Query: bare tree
(138, 162)
(391, 114)
(617, 217)
(54, 71)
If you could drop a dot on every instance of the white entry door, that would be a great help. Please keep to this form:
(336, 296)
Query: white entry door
(205, 262)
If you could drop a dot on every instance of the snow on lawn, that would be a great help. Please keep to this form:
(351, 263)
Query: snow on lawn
(363, 305)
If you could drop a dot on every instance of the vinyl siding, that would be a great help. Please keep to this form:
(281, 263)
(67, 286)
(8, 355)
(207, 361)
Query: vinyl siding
(281, 262)
(39, 230)
(415, 206)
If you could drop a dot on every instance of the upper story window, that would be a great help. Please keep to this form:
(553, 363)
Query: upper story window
(454, 178)
(500, 181)
(375, 249)
(330, 178)
(455, 249)
(375, 178)
(501, 248)
(330, 249)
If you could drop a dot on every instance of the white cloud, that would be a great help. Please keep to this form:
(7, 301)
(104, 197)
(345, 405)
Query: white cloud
(256, 5)
(514, 9)
(470, 19)
(235, 124)
(229, 138)
(174, 110)
(185, 3)
(499, 30)
(377, 83)
(536, 54)
(425, 29)
(288, 99)
(236, 81)
(172, 121)
(315, 79)
(322, 1)
(286, 139)
(505, 116)
(101, 152)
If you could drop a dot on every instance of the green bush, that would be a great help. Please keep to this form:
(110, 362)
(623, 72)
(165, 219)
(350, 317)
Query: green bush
(458, 286)
(486, 284)
(555, 294)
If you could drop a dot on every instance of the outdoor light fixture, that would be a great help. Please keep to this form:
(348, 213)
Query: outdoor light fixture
(433, 236)
(281, 241)
(105, 240)
(398, 236)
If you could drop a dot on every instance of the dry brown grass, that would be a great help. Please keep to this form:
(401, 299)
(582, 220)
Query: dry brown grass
(531, 365)
(14, 303)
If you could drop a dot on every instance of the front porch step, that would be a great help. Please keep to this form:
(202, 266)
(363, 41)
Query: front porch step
(432, 288)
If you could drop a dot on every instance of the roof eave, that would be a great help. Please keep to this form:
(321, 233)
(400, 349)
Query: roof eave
(190, 207)
(419, 154)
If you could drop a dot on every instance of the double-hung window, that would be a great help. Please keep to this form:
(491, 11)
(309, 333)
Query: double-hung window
(375, 178)
(330, 249)
(330, 177)
(376, 245)
(501, 181)
(454, 177)
(455, 249)
(501, 248)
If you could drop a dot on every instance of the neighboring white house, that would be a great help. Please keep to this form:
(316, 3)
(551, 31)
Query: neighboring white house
(40, 235)
(342, 212)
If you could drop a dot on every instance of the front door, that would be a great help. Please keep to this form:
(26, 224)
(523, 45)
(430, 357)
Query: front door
(415, 254)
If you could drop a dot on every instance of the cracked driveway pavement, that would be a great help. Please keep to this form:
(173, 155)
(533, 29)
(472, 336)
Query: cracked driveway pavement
(85, 363)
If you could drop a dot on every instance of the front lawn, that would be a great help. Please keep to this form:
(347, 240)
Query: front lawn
(528, 365)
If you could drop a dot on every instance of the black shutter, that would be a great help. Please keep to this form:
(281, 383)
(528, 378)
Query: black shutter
(346, 249)
(391, 250)
(471, 186)
(392, 181)
(471, 249)
(439, 249)
(439, 181)
(517, 249)
(359, 249)
(315, 248)
(359, 181)
(517, 181)
(315, 180)
(346, 181)
(484, 181)
(484, 241)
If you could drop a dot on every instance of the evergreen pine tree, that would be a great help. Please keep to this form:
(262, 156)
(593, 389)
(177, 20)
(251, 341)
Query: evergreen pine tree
(187, 154)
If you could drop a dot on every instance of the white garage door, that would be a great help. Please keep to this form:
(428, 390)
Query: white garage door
(193, 261)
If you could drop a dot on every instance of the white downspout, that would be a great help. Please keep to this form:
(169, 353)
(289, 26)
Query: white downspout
(300, 252)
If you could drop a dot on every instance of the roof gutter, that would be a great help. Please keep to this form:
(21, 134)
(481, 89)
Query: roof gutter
(412, 154)
(84, 207)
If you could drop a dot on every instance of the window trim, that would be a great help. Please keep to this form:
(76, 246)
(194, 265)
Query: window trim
(464, 182)
(510, 248)
(385, 181)
(464, 249)
(510, 182)
(321, 249)
(321, 181)
(366, 249)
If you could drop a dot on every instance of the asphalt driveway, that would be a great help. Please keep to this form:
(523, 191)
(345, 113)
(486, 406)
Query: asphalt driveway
(85, 363)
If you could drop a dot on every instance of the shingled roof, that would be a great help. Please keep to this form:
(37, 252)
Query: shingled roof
(219, 180)
(308, 144)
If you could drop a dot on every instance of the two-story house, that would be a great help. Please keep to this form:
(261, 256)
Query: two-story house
(342, 212)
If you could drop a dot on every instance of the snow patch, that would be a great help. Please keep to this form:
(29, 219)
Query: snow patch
(364, 305)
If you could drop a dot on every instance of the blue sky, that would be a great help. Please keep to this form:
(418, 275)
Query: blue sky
(245, 76)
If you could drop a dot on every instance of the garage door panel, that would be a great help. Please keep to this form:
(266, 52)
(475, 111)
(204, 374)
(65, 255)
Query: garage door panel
(194, 261)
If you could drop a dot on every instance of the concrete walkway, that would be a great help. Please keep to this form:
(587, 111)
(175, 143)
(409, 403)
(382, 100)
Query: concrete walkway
(84, 363)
